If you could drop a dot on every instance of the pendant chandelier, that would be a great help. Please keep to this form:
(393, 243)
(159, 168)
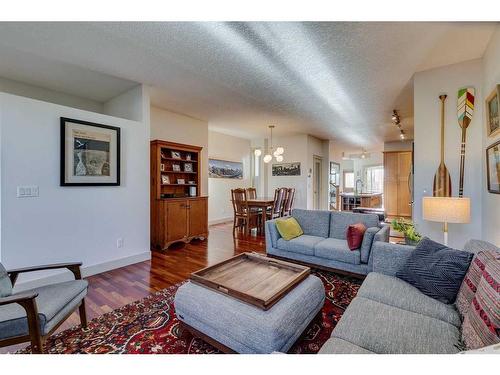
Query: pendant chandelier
(277, 153)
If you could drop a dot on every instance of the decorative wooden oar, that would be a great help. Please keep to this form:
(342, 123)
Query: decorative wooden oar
(442, 179)
(465, 110)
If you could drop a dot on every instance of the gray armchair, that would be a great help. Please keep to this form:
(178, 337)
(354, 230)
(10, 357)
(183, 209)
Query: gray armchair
(35, 314)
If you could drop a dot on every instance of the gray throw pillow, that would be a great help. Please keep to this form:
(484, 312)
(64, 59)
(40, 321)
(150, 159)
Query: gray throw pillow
(436, 270)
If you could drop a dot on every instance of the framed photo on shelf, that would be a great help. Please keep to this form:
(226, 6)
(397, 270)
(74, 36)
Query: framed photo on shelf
(191, 183)
(492, 112)
(165, 180)
(181, 181)
(176, 154)
(493, 168)
(188, 167)
(176, 167)
(162, 167)
(90, 154)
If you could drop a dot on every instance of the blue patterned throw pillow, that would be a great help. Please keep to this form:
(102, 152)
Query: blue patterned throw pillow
(436, 270)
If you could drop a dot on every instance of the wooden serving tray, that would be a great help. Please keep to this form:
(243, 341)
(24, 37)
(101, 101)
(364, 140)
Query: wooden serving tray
(252, 278)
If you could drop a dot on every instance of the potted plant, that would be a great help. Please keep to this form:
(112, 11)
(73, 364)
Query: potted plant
(412, 237)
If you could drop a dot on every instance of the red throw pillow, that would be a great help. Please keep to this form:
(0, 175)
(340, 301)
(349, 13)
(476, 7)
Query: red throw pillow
(354, 235)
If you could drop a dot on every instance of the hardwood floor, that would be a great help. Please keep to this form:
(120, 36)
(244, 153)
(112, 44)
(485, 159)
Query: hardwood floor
(113, 289)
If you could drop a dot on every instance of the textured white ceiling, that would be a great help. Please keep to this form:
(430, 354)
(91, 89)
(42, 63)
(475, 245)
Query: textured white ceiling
(332, 80)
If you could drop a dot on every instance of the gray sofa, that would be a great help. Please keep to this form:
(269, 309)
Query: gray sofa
(324, 244)
(390, 316)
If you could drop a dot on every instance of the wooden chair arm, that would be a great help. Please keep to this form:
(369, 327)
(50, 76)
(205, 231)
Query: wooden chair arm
(73, 267)
(27, 300)
(20, 298)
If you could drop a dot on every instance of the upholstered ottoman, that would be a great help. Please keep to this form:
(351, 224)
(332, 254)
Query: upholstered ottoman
(233, 325)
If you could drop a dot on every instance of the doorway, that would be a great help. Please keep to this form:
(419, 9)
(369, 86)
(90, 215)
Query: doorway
(317, 168)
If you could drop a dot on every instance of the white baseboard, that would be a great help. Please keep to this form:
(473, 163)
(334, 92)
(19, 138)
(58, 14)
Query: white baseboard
(94, 269)
(221, 221)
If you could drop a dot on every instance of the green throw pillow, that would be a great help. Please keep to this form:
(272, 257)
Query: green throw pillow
(289, 228)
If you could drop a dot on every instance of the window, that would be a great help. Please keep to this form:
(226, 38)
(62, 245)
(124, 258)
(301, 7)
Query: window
(375, 179)
(348, 180)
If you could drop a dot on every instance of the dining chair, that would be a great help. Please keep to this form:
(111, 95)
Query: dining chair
(251, 193)
(243, 216)
(288, 205)
(277, 208)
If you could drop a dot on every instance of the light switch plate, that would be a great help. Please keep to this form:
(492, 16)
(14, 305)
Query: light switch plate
(27, 191)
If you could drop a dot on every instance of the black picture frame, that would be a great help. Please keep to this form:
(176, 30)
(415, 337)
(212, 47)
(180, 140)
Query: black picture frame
(490, 189)
(63, 157)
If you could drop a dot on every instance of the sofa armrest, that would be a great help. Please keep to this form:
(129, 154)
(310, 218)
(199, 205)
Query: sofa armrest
(383, 234)
(272, 234)
(388, 258)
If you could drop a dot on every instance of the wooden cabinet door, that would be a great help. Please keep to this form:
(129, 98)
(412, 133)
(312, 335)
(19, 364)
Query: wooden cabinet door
(391, 183)
(198, 217)
(404, 169)
(177, 221)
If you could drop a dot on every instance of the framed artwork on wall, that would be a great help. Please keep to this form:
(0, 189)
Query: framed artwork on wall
(90, 154)
(286, 169)
(492, 113)
(225, 169)
(493, 167)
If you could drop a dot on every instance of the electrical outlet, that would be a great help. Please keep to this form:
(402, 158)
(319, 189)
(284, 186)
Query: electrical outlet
(119, 243)
(27, 191)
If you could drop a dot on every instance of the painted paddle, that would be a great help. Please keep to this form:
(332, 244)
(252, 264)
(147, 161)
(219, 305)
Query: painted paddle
(442, 179)
(465, 110)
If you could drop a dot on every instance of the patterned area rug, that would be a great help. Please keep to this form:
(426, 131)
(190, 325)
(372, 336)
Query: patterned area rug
(150, 326)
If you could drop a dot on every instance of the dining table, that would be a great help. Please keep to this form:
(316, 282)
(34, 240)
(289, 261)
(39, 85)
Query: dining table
(263, 203)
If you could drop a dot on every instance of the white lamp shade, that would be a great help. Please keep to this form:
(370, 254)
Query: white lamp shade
(276, 154)
(446, 209)
(280, 150)
(279, 158)
(257, 152)
(267, 158)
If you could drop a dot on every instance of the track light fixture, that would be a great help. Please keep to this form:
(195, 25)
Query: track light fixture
(397, 121)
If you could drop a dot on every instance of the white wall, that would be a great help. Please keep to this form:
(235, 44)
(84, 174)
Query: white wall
(491, 202)
(22, 89)
(174, 127)
(428, 86)
(69, 223)
(128, 104)
(226, 147)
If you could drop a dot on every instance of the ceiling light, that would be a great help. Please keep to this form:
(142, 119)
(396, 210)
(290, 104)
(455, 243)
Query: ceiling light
(277, 153)
(257, 152)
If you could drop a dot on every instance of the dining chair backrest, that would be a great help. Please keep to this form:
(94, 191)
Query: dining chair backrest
(279, 199)
(290, 196)
(251, 193)
(239, 199)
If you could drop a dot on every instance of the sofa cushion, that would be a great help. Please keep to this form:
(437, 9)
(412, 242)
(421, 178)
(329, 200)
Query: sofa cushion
(289, 228)
(332, 248)
(436, 270)
(302, 245)
(5, 284)
(385, 329)
(50, 301)
(354, 235)
(482, 323)
(338, 346)
(471, 281)
(398, 293)
(313, 222)
(339, 221)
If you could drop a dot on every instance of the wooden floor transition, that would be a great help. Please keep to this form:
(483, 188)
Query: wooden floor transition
(113, 289)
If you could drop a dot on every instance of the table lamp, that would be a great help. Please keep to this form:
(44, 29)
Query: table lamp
(446, 210)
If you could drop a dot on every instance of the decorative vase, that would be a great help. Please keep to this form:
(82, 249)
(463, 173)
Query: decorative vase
(410, 242)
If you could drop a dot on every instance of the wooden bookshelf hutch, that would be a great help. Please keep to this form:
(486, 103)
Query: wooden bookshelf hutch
(178, 212)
